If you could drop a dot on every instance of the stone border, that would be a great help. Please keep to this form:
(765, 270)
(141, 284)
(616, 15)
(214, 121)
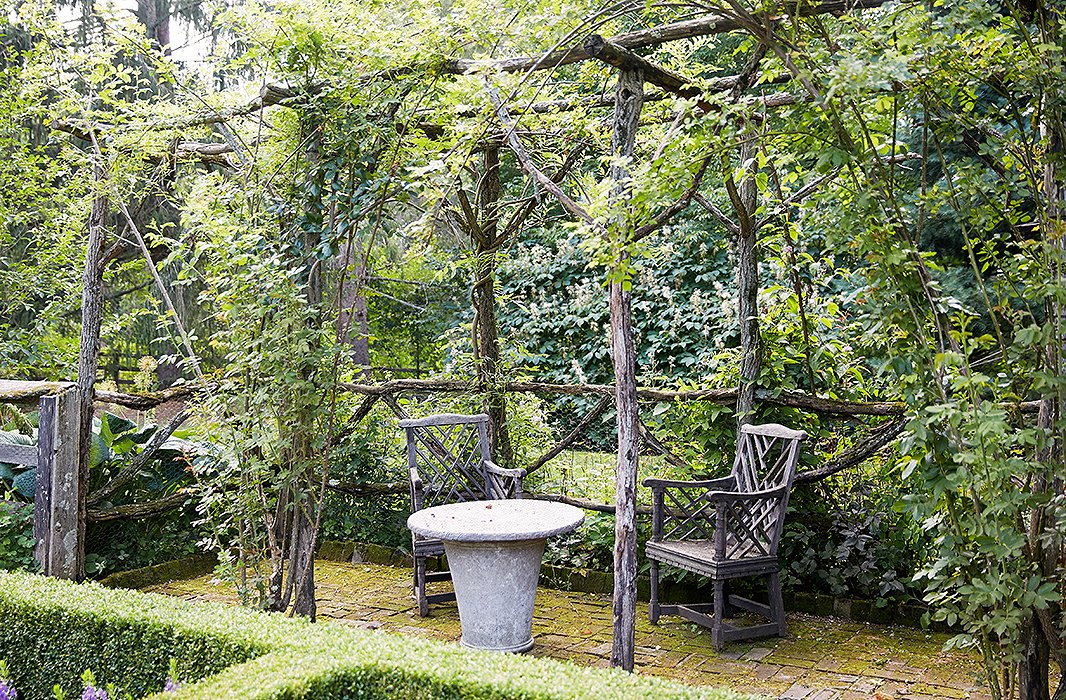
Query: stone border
(559, 578)
(187, 567)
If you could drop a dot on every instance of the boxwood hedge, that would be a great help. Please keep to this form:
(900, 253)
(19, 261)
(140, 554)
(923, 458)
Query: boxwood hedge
(51, 630)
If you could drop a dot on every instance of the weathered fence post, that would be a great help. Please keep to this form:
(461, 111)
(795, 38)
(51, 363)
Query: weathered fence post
(58, 524)
(58, 529)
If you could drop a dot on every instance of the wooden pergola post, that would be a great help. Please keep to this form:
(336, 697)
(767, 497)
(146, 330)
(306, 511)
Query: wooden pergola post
(92, 313)
(628, 100)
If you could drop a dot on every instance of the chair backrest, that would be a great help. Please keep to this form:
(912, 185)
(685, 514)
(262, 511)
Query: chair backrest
(767, 456)
(448, 452)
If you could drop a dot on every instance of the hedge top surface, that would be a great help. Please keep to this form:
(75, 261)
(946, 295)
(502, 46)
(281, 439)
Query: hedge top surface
(294, 658)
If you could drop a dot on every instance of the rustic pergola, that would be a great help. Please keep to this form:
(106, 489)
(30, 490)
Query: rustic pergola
(482, 222)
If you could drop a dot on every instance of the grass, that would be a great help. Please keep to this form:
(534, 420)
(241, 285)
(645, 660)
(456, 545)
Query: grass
(591, 475)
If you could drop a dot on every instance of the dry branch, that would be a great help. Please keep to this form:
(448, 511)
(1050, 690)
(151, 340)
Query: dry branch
(657, 445)
(532, 170)
(790, 399)
(138, 463)
(136, 511)
(877, 439)
(143, 402)
(14, 391)
(583, 503)
(368, 488)
(614, 55)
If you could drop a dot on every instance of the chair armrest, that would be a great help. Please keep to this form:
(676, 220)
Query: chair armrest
(416, 489)
(495, 488)
(718, 484)
(491, 466)
(741, 496)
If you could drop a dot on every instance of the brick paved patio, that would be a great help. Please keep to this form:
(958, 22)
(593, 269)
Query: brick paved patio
(823, 658)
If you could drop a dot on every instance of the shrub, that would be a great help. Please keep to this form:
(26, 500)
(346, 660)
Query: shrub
(56, 629)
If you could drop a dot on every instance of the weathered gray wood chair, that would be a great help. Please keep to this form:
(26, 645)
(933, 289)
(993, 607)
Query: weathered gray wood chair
(449, 462)
(728, 528)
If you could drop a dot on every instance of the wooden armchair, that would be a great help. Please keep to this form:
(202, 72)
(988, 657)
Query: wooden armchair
(449, 462)
(728, 528)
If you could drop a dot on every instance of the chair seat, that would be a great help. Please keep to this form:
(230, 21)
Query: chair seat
(699, 556)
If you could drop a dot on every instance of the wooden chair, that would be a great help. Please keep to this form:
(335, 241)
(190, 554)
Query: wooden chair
(449, 462)
(728, 528)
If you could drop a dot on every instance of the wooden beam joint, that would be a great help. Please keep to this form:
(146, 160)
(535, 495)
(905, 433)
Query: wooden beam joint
(623, 59)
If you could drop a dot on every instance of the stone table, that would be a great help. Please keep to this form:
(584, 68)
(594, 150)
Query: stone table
(494, 550)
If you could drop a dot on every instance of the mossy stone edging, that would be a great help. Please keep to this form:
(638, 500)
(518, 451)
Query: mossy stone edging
(55, 629)
(187, 567)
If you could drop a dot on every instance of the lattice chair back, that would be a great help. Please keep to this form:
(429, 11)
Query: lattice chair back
(449, 452)
(766, 461)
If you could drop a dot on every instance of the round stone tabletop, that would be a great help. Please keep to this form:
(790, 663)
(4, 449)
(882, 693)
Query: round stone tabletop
(496, 521)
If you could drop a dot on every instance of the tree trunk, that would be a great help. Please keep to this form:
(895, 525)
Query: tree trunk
(748, 295)
(1042, 640)
(155, 16)
(1033, 665)
(92, 307)
(303, 559)
(629, 98)
(486, 333)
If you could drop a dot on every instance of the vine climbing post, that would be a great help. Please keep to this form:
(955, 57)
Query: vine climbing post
(629, 99)
(486, 334)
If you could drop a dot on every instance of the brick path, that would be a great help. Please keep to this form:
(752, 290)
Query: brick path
(822, 659)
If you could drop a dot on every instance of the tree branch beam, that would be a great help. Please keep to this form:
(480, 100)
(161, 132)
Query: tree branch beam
(707, 25)
(617, 56)
(573, 435)
(873, 443)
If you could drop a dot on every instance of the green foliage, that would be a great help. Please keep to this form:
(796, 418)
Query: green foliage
(849, 538)
(556, 307)
(123, 545)
(114, 443)
(372, 455)
(16, 536)
(57, 629)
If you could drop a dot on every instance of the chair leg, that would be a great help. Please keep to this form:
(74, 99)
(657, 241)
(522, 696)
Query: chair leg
(727, 609)
(717, 640)
(777, 603)
(653, 604)
(420, 586)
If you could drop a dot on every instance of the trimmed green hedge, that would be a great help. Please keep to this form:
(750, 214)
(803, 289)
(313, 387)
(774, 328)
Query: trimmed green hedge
(53, 630)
